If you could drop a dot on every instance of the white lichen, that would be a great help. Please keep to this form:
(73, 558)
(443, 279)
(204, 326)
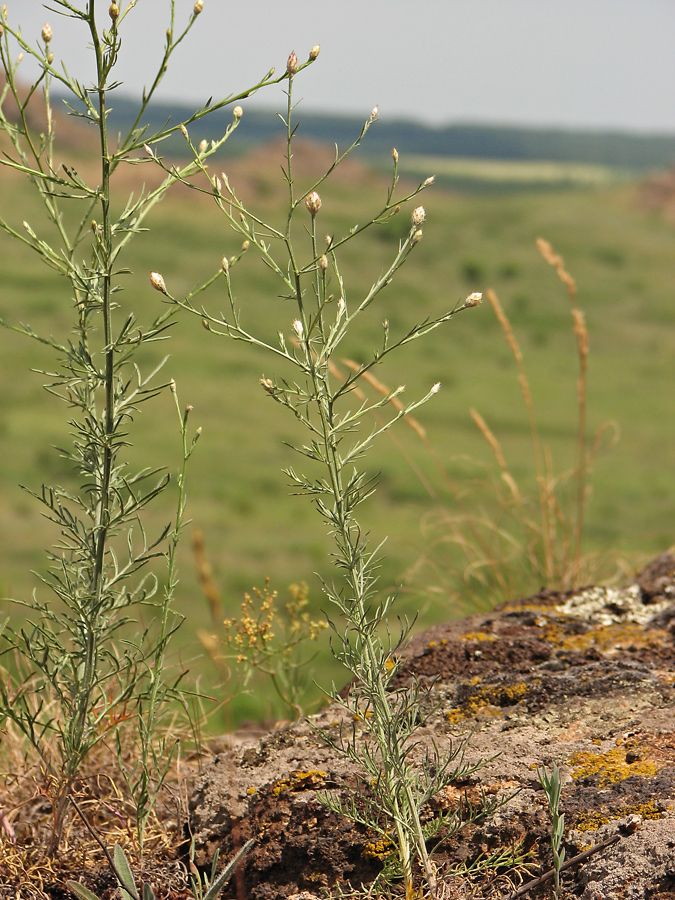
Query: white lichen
(611, 606)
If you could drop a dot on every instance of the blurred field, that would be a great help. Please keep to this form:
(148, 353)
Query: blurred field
(491, 174)
(621, 255)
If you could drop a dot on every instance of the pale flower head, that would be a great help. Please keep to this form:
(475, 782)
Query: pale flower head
(199, 6)
(313, 203)
(114, 11)
(314, 52)
(237, 112)
(297, 328)
(418, 216)
(47, 33)
(157, 282)
(292, 63)
(473, 299)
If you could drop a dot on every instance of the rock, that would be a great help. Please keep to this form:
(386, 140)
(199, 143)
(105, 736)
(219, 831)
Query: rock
(584, 679)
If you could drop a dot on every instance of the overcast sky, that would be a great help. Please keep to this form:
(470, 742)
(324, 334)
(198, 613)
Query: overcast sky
(573, 63)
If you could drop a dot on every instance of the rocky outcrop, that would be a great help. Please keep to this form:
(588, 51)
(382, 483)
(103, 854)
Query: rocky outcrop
(582, 679)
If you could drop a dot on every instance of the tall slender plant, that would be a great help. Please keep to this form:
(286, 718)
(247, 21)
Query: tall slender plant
(73, 680)
(311, 276)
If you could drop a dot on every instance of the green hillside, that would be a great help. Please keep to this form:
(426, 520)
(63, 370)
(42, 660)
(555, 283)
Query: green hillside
(621, 255)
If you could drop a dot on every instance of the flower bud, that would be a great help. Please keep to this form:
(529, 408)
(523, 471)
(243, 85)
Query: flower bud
(184, 131)
(428, 181)
(323, 262)
(47, 33)
(114, 11)
(202, 146)
(172, 386)
(297, 328)
(436, 388)
(292, 63)
(50, 58)
(373, 113)
(417, 237)
(205, 323)
(313, 203)
(157, 282)
(245, 245)
(267, 384)
(394, 155)
(2, 31)
(199, 6)
(237, 112)
(418, 216)
(148, 149)
(314, 52)
(473, 299)
(225, 265)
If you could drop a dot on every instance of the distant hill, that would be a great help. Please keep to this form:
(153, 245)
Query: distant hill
(616, 149)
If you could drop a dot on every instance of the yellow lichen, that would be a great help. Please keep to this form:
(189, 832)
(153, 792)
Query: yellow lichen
(479, 636)
(378, 849)
(611, 766)
(593, 821)
(299, 781)
(490, 698)
(610, 639)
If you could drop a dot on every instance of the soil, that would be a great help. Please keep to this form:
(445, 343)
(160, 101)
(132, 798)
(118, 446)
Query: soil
(583, 679)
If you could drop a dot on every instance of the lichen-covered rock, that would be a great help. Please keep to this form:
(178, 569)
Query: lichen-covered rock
(583, 679)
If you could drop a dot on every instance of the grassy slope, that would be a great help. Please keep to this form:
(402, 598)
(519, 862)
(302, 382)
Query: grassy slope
(621, 256)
